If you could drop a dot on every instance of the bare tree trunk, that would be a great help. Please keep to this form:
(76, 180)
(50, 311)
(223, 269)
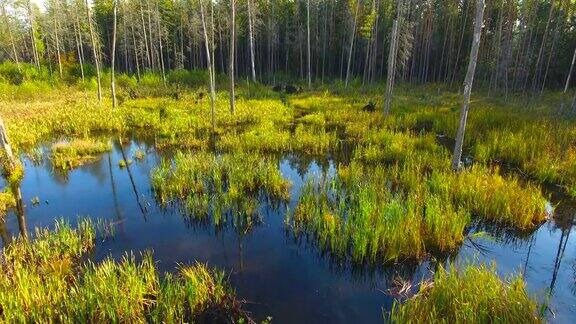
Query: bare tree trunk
(570, 72)
(6, 146)
(135, 52)
(161, 54)
(251, 37)
(148, 59)
(391, 68)
(352, 38)
(79, 44)
(113, 59)
(94, 51)
(308, 40)
(468, 82)
(232, 53)
(542, 45)
(33, 35)
(57, 45)
(14, 53)
(210, 70)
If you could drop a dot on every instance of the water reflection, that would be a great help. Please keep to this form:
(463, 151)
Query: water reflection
(269, 267)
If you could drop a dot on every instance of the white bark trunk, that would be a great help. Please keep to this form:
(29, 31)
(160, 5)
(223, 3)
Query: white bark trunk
(469, 81)
(570, 72)
(308, 40)
(391, 68)
(232, 52)
(113, 59)
(94, 51)
(6, 146)
(352, 43)
(251, 37)
(210, 70)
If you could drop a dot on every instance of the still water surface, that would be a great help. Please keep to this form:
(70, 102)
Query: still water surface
(277, 274)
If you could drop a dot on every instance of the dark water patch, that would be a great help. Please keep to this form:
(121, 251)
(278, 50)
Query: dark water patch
(278, 274)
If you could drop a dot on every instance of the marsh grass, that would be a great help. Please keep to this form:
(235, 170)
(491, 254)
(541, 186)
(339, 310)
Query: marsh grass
(68, 155)
(362, 219)
(44, 281)
(383, 213)
(210, 185)
(473, 295)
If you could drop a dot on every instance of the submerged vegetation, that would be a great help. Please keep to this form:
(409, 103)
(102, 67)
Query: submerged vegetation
(45, 280)
(474, 294)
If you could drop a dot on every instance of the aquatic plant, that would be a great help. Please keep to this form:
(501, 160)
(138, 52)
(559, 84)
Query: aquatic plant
(44, 281)
(124, 163)
(207, 184)
(474, 294)
(68, 155)
(7, 201)
(361, 218)
(408, 210)
(139, 154)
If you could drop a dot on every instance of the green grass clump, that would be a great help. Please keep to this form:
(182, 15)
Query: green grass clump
(124, 163)
(360, 217)
(207, 184)
(410, 208)
(472, 295)
(7, 201)
(68, 155)
(139, 154)
(44, 281)
(491, 197)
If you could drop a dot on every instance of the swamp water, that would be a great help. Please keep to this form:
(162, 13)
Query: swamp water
(277, 274)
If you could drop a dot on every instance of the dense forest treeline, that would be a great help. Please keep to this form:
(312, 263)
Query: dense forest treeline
(527, 45)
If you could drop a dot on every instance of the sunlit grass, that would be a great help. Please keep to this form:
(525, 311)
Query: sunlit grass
(472, 295)
(44, 280)
(206, 184)
(68, 155)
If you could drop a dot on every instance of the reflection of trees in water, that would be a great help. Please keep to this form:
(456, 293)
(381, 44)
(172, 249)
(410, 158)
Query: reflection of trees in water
(5, 235)
(134, 188)
(302, 163)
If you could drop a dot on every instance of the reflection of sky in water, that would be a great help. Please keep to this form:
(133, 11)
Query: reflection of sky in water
(276, 273)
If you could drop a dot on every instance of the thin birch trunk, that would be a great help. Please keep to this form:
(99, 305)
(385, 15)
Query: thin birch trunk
(113, 58)
(468, 83)
(161, 54)
(57, 46)
(308, 41)
(251, 38)
(33, 36)
(94, 51)
(232, 54)
(570, 72)
(210, 70)
(391, 68)
(352, 38)
(14, 53)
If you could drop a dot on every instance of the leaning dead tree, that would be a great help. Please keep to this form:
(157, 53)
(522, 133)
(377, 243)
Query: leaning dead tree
(468, 82)
(10, 160)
